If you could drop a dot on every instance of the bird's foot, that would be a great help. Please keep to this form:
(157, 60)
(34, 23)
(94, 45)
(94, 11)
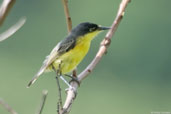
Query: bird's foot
(73, 79)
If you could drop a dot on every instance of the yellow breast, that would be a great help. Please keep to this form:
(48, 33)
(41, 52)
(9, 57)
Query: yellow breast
(72, 58)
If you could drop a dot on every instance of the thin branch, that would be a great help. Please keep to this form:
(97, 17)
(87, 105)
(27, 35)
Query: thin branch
(59, 103)
(60, 95)
(12, 29)
(5, 8)
(68, 18)
(7, 107)
(71, 93)
(44, 95)
(106, 42)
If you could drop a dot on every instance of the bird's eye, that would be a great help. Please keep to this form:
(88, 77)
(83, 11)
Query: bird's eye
(92, 29)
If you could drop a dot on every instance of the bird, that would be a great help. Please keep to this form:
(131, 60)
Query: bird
(69, 52)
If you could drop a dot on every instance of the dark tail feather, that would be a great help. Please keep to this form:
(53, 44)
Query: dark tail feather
(36, 77)
(32, 81)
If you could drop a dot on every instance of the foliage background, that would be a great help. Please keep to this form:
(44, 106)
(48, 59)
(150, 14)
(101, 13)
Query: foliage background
(133, 78)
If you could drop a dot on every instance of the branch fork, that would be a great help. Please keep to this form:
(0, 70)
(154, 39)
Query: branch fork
(71, 95)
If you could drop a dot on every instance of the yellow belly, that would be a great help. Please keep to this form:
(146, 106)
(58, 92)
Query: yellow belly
(70, 60)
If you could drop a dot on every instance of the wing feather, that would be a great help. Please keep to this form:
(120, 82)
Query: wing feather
(60, 49)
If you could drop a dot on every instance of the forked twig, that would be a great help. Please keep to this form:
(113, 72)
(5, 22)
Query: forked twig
(7, 107)
(106, 42)
(71, 93)
(44, 95)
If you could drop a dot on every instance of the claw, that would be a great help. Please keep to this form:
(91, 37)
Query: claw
(73, 79)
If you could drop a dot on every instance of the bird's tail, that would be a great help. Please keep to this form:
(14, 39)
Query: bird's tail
(36, 77)
(33, 80)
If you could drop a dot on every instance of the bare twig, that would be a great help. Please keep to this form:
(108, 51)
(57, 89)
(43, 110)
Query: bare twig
(7, 107)
(71, 93)
(106, 42)
(44, 95)
(68, 18)
(60, 95)
(59, 103)
(5, 8)
(12, 29)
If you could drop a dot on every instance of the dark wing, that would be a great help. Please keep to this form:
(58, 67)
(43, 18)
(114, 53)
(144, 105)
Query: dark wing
(66, 45)
(60, 49)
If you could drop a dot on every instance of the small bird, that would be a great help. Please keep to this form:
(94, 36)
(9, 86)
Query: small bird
(68, 53)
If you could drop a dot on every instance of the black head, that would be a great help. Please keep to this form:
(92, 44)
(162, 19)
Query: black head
(84, 28)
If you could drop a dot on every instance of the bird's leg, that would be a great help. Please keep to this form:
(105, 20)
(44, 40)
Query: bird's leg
(60, 75)
(62, 78)
(59, 87)
(70, 87)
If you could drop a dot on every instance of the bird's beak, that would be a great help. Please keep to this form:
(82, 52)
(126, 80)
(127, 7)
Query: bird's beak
(103, 28)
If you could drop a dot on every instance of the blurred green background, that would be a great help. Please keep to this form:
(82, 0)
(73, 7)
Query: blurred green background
(133, 78)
